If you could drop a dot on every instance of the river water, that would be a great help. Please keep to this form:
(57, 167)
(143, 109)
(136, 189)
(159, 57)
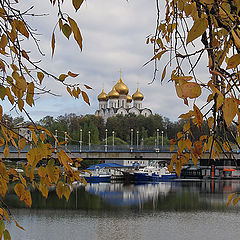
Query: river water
(168, 210)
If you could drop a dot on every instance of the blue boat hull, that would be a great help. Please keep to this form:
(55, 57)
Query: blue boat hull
(97, 179)
(143, 177)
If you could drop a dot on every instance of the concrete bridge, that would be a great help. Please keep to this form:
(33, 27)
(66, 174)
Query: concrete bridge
(123, 152)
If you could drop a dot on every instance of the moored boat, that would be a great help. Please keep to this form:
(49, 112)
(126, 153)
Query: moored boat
(154, 174)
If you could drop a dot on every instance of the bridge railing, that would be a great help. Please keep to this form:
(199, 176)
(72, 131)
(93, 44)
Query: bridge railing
(103, 148)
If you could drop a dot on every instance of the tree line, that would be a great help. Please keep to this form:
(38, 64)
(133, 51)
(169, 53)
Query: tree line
(71, 125)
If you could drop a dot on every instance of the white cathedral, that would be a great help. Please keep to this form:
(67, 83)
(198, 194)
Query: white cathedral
(118, 101)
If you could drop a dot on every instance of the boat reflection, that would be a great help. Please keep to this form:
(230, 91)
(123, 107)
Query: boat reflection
(163, 196)
(118, 194)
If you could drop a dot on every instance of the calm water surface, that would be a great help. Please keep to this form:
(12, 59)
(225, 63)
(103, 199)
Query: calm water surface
(169, 210)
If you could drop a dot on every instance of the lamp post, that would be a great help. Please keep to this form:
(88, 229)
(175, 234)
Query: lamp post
(137, 138)
(65, 138)
(131, 136)
(106, 136)
(80, 142)
(56, 135)
(113, 135)
(157, 147)
(89, 140)
(162, 139)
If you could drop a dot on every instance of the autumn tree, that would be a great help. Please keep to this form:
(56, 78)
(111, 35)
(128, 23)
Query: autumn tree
(21, 82)
(205, 33)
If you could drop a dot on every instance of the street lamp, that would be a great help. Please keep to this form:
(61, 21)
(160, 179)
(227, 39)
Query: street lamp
(56, 135)
(65, 138)
(162, 139)
(113, 134)
(131, 148)
(137, 138)
(89, 140)
(157, 149)
(80, 142)
(106, 135)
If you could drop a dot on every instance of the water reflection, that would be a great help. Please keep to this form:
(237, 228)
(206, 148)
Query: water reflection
(178, 195)
(169, 210)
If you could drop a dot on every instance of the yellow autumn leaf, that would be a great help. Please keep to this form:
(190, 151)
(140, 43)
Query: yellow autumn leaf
(85, 97)
(6, 235)
(19, 190)
(6, 215)
(28, 198)
(188, 9)
(30, 94)
(69, 90)
(236, 38)
(233, 61)
(60, 189)
(188, 144)
(62, 77)
(230, 109)
(178, 168)
(210, 122)
(235, 201)
(191, 90)
(21, 143)
(3, 41)
(194, 158)
(87, 87)
(230, 197)
(67, 192)
(199, 27)
(20, 104)
(17, 225)
(164, 73)
(208, 1)
(20, 26)
(6, 151)
(72, 74)
(40, 76)
(34, 137)
(77, 4)
(43, 189)
(198, 116)
(76, 32)
(2, 227)
(53, 43)
(42, 172)
(66, 29)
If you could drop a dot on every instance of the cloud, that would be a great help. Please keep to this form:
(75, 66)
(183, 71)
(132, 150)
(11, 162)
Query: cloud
(114, 35)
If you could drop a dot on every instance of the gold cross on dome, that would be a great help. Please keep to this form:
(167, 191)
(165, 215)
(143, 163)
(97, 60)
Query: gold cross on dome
(120, 72)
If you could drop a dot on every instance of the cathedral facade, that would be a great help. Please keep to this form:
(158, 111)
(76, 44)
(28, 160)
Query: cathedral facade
(118, 101)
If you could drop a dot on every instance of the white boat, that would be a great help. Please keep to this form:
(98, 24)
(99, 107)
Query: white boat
(153, 174)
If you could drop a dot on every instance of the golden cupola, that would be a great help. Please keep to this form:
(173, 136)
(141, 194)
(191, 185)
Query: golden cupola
(121, 87)
(113, 94)
(102, 96)
(129, 98)
(137, 95)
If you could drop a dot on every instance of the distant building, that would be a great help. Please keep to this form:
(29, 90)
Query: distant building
(118, 101)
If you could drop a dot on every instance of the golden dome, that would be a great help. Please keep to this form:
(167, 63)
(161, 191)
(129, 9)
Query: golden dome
(102, 96)
(121, 87)
(137, 95)
(113, 93)
(129, 98)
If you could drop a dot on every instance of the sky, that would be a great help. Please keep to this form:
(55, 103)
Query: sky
(114, 33)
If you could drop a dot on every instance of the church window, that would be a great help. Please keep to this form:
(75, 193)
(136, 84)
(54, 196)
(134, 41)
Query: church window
(118, 103)
(123, 103)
